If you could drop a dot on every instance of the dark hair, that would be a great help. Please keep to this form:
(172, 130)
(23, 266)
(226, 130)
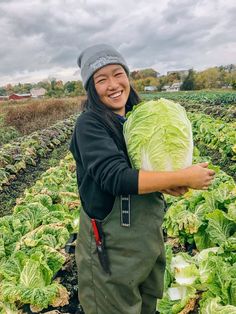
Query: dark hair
(105, 114)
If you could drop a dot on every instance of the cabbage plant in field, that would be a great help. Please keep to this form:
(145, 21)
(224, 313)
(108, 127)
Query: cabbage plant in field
(32, 241)
(158, 136)
(205, 281)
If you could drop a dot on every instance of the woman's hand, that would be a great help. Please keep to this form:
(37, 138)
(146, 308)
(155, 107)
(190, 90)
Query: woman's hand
(178, 191)
(199, 176)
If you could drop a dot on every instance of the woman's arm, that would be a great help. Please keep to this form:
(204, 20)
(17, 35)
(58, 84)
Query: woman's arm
(110, 170)
(195, 177)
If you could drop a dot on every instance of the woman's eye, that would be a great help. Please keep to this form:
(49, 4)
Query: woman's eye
(101, 81)
(119, 74)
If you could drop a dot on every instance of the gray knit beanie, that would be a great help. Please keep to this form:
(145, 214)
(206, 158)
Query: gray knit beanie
(95, 57)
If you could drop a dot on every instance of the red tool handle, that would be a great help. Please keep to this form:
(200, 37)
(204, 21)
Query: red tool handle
(95, 231)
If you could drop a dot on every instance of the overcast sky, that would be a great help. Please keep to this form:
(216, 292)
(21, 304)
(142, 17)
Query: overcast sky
(41, 39)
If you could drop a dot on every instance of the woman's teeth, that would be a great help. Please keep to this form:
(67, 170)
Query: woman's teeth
(115, 95)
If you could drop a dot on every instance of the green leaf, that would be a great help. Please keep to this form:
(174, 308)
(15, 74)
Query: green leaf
(219, 227)
(213, 306)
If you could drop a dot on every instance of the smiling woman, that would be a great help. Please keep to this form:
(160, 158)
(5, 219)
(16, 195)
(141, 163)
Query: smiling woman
(113, 87)
(120, 249)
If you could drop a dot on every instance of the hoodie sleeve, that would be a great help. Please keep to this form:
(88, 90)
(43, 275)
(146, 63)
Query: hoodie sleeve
(101, 158)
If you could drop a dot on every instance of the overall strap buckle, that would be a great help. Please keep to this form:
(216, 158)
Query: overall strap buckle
(125, 210)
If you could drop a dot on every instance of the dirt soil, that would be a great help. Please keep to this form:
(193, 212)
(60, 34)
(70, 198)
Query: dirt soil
(28, 178)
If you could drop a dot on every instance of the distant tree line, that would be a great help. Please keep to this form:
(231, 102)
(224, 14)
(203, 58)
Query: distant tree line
(53, 87)
(211, 78)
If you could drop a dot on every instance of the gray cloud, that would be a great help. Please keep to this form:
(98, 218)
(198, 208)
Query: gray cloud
(41, 38)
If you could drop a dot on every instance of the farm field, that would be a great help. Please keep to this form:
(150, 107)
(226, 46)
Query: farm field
(20, 118)
(39, 216)
(34, 136)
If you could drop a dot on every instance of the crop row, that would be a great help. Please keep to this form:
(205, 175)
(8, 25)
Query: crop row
(7, 133)
(213, 98)
(16, 156)
(32, 241)
(226, 113)
(216, 135)
(201, 227)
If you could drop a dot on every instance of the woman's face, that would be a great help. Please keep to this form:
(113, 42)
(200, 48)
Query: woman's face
(113, 87)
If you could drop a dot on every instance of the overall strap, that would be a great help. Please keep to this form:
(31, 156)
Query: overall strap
(125, 219)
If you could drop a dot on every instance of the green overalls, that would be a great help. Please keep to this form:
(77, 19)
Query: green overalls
(136, 257)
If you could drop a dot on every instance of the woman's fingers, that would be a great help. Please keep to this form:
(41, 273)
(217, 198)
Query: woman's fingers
(211, 172)
(178, 191)
(181, 189)
(170, 192)
(207, 184)
(184, 189)
(203, 164)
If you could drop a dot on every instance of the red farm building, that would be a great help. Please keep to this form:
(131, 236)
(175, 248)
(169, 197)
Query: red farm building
(19, 96)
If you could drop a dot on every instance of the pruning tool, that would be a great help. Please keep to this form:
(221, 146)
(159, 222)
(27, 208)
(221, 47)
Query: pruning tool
(100, 244)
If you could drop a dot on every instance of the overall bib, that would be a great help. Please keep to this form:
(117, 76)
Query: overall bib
(136, 257)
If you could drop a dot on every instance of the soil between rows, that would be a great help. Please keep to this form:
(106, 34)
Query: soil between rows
(28, 178)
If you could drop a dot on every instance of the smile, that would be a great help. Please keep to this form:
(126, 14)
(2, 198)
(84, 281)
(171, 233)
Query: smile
(115, 95)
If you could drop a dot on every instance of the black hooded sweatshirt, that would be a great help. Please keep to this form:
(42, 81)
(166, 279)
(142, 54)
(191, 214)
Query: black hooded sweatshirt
(103, 168)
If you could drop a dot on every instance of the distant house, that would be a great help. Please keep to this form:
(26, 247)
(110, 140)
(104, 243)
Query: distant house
(165, 88)
(3, 98)
(150, 88)
(19, 96)
(38, 92)
(175, 87)
(229, 86)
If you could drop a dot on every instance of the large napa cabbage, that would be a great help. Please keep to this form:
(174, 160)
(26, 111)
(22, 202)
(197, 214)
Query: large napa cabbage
(158, 136)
